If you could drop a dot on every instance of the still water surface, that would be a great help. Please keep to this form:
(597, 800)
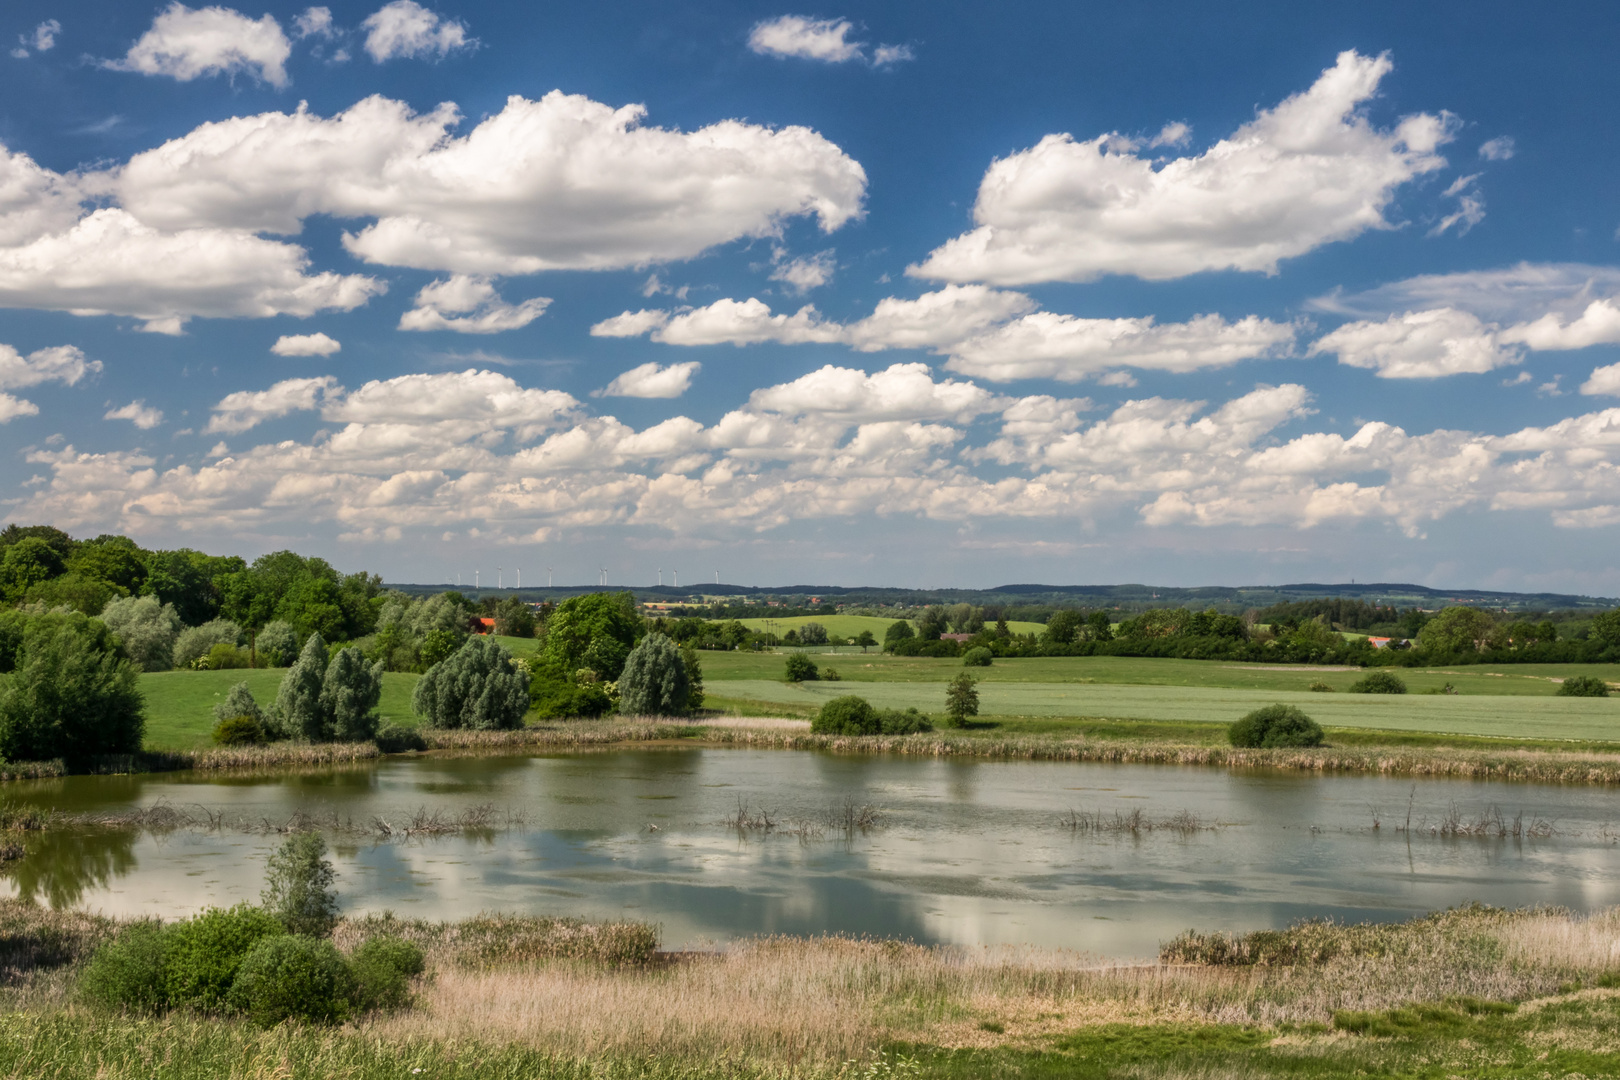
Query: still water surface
(967, 851)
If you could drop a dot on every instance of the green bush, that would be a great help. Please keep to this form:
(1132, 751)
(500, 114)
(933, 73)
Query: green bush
(910, 722)
(978, 656)
(202, 955)
(239, 731)
(1320, 687)
(72, 695)
(555, 698)
(383, 969)
(1275, 726)
(1378, 682)
(847, 715)
(397, 739)
(828, 675)
(293, 978)
(127, 972)
(298, 886)
(800, 668)
(654, 681)
(1584, 686)
(961, 699)
(474, 687)
(226, 658)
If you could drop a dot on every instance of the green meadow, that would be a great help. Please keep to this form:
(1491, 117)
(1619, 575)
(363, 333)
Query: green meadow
(848, 626)
(180, 704)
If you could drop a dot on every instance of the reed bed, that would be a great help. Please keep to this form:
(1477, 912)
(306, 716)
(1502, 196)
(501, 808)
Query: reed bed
(165, 817)
(807, 1000)
(1134, 823)
(498, 942)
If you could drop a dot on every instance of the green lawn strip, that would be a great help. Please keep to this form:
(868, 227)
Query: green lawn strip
(848, 626)
(1553, 718)
(1495, 681)
(180, 704)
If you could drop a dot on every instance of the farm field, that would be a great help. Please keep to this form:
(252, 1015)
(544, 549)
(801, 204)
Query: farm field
(848, 626)
(180, 704)
(1505, 716)
(1529, 679)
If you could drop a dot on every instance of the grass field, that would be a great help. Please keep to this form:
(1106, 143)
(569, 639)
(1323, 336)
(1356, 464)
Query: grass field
(848, 626)
(180, 704)
(1547, 717)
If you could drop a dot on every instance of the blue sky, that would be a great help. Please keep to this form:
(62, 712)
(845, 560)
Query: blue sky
(909, 294)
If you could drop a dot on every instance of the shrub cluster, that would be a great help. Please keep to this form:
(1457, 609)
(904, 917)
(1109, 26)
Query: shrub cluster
(1584, 686)
(242, 961)
(1378, 682)
(1275, 726)
(978, 656)
(852, 715)
(801, 668)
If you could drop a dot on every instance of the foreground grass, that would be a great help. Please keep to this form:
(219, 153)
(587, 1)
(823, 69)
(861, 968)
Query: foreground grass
(1474, 992)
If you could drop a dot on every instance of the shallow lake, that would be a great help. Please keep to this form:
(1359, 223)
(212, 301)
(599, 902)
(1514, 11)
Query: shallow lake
(963, 851)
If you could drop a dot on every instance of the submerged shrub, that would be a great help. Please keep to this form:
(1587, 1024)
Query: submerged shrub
(127, 972)
(202, 955)
(1275, 726)
(847, 715)
(978, 656)
(1584, 686)
(800, 668)
(293, 978)
(1378, 682)
(383, 969)
(298, 886)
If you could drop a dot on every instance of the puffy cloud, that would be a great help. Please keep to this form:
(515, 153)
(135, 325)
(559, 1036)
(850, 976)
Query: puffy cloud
(57, 363)
(824, 40)
(480, 397)
(314, 22)
(560, 183)
(652, 380)
(1604, 380)
(902, 392)
(991, 333)
(41, 40)
(804, 273)
(109, 263)
(185, 44)
(1309, 172)
(245, 409)
(1599, 324)
(12, 407)
(137, 412)
(479, 307)
(305, 345)
(1048, 345)
(1498, 149)
(406, 29)
(1420, 345)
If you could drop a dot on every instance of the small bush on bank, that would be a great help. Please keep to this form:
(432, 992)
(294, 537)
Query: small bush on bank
(291, 977)
(829, 675)
(239, 731)
(910, 722)
(1320, 687)
(978, 656)
(201, 955)
(800, 668)
(383, 969)
(1378, 682)
(396, 739)
(1275, 726)
(847, 715)
(1584, 686)
(127, 972)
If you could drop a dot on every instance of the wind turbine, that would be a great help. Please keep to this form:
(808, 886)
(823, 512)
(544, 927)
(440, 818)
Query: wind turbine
(548, 577)
(475, 578)
(500, 577)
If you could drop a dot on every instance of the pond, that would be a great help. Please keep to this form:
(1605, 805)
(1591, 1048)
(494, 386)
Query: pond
(962, 850)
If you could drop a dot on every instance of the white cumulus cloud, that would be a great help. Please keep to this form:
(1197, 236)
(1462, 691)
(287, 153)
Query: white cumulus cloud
(1604, 380)
(804, 273)
(305, 345)
(1420, 345)
(406, 29)
(246, 409)
(824, 40)
(560, 183)
(469, 305)
(1309, 172)
(1500, 148)
(652, 380)
(185, 44)
(56, 363)
(137, 412)
(12, 407)
(41, 40)
(314, 22)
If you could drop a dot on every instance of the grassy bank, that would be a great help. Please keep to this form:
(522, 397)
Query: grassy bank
(180, 704)
(1472, 992)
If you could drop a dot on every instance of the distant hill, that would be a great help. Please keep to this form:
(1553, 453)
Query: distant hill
(1123, 597)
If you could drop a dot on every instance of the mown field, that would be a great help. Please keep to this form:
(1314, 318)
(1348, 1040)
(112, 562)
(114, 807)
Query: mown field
(848, 626)
(180, 704)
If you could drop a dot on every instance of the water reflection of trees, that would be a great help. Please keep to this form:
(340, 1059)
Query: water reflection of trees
(60, 866)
